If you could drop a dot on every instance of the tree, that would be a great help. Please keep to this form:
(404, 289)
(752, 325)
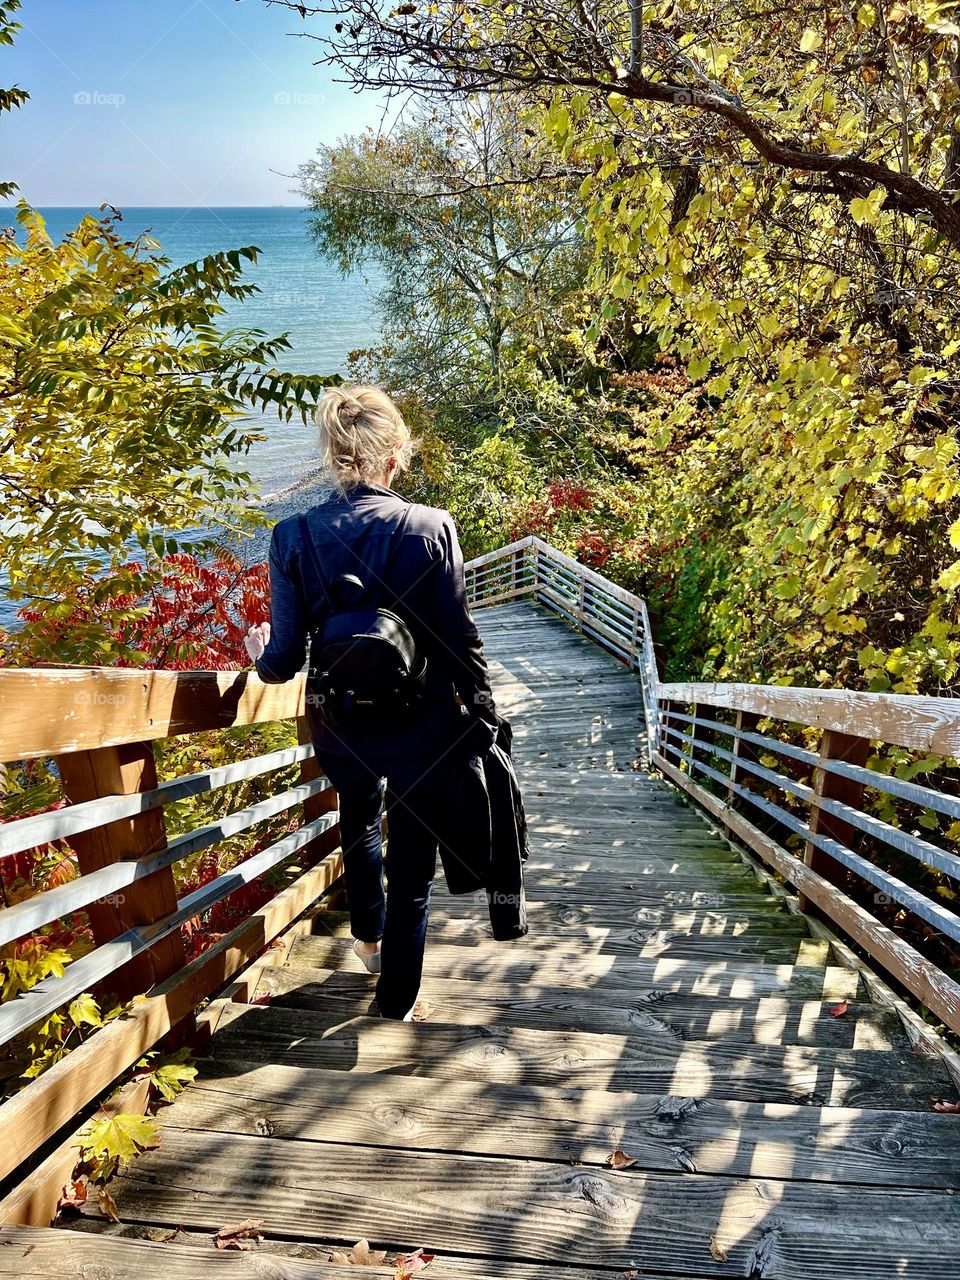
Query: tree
(771, 197)
(479, 262)
(120, 401)
(726, 72)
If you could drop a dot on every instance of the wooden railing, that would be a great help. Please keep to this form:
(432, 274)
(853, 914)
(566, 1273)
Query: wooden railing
(730, 746)
(719, 743)
(97, 726)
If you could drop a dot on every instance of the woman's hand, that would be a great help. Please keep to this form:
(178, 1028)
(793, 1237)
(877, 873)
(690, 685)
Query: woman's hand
(256, 640)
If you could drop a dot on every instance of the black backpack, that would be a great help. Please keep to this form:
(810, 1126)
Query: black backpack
(364, 669)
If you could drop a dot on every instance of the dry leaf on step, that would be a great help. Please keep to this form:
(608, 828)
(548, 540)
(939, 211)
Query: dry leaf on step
(619, 1159)
(717, 1253)
(245, 1235)
(108, 1205)
(361, 1255)
(839, 1010)
(74, 1194)
(407, 1263)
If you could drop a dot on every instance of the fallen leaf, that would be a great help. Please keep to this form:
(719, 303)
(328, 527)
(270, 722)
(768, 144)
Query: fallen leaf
(265, 1128)
(407, 1263)
(264, 999)
(73, 1195)
(245, 1235)
(716, 1252)
(160, 1236)
(422, 1010)
(952, 1108)
(108, 1205)
(840, 1009)
(619, 1159)
(361, 1255)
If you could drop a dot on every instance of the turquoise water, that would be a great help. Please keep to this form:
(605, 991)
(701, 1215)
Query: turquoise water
(326, 316)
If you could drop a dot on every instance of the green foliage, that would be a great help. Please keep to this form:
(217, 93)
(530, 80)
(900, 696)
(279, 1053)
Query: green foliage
(110, 1142)
(480, 255)
(119, 412)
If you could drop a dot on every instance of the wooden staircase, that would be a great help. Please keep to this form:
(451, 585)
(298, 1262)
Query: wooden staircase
(670, 1077)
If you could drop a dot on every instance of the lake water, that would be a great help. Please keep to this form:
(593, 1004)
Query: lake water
(325, 315)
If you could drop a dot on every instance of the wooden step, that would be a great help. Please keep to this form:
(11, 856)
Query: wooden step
(641, 1062)
(528, 1211)
(662, 1132)
(768, 1020)
(569, 965)
(464, 918)
(104, 1251)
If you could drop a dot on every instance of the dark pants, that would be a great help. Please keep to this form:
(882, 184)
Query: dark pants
(400, 916)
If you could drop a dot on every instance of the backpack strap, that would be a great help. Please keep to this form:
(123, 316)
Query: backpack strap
(311, 546)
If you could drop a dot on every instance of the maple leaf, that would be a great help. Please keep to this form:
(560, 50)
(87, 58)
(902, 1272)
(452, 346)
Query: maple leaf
(113, 1140)
(245, 1235)
(361, 1255)
(619, 1159)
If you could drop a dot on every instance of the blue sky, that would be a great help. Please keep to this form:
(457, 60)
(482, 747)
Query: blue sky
(184, 102)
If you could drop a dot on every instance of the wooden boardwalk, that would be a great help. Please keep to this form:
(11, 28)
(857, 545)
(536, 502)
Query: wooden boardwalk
(666, 1014)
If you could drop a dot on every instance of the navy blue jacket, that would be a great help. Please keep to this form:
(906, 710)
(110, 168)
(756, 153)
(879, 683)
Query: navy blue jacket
(420, 578)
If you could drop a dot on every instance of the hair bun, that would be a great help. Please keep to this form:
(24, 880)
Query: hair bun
(348, 411)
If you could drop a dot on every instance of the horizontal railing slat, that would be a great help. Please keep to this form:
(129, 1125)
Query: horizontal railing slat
(61, 824)
(56, 903)
(896, 889)
(18, 1015)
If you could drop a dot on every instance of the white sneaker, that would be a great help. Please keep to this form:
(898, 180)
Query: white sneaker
(371, 959)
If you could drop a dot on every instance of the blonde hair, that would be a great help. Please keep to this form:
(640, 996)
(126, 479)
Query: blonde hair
(361, 432)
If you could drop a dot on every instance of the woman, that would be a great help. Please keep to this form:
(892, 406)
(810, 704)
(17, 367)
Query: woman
(410, 557)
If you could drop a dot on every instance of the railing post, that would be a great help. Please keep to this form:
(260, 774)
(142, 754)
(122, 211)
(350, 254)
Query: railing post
(316, 806)
(535, 556)
(746, 722)
(109, 771)
(832, 786)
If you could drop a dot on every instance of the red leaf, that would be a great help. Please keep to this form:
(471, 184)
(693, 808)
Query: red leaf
(407, 1263)
(839, 1010)
(952, 1108)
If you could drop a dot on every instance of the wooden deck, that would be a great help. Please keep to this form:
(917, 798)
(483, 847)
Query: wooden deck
(665, 1006)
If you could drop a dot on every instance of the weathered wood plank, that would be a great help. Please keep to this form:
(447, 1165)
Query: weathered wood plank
(115, 1252)
(516, 962)
(53, 711)
(767, 1020)
(643, 1062)
(921, 724)
(664, 1132)
(536, 1212)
